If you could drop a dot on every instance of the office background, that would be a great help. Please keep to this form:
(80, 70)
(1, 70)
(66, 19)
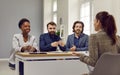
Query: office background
(11, 11)
(39, 13)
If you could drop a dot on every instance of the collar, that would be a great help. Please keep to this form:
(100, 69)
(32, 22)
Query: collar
(79, 35)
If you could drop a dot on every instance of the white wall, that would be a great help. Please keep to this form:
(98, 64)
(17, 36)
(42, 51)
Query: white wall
(68, 10)
(112, 6)
(63, 14)
(74, 14)
(11, 11)
(116, 13)
(47, 13)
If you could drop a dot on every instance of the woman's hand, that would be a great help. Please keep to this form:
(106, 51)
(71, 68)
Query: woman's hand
(28, 49)
(31, 49)
(24, 48)
(76, 54)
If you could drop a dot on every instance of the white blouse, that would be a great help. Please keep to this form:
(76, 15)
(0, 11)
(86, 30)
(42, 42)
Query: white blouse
(18, 43)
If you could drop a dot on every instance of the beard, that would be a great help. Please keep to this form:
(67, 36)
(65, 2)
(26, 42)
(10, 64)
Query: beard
(52, 32)
(77, 31)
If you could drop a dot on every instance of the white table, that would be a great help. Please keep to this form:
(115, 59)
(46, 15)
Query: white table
(50, 64)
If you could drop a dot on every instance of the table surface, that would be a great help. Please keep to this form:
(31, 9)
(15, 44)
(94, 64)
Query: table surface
(44, 54)
(41, 54)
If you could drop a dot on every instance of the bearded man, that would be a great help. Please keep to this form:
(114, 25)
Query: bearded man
(50, 41)
(78, 41)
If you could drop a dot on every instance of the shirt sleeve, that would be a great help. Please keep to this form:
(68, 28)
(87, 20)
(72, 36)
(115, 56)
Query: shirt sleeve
(42, 45)
(61, 48)
(93, 52)
(16, 43)
(35, 45)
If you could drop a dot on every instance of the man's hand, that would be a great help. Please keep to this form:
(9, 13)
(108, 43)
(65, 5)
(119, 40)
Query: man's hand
(54, 44)
(73, 48)
(61, 43)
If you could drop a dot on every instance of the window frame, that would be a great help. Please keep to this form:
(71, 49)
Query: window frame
(90, 15)
(54, 13)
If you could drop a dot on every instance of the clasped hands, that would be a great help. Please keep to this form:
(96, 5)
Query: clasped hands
(55, 44)
(28, 48)
(73, 48)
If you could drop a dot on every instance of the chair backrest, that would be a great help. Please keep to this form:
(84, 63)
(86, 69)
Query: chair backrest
(108, 64)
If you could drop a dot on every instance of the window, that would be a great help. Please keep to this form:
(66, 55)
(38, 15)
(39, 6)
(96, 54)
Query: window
(54, 17)
(85, 15)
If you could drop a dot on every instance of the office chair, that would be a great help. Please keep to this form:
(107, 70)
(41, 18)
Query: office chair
(108, 64)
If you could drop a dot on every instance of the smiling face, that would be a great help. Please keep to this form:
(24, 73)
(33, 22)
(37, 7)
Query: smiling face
(78, 28)
(25, 27)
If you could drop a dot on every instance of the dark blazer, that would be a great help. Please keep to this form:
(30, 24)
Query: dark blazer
(45, 41)
(83, 42)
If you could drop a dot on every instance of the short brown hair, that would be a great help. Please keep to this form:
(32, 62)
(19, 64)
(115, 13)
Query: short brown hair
(51, 23)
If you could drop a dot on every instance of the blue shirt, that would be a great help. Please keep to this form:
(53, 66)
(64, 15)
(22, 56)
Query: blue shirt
(76, 41)
(45, 41)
